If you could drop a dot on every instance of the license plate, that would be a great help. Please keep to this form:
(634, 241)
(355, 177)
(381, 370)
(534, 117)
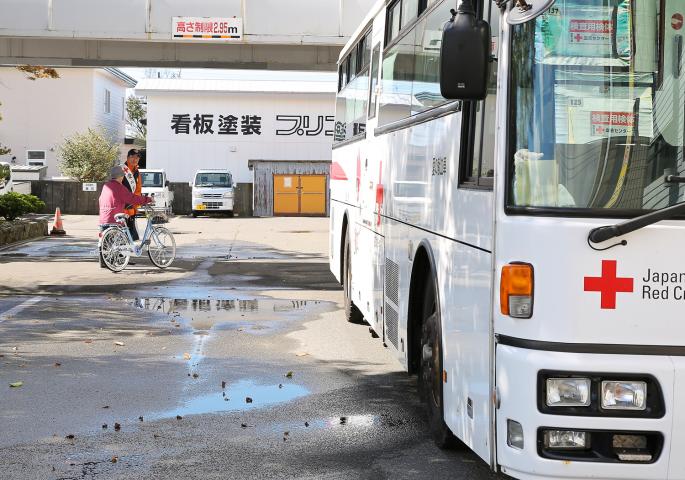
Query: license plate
(200, 207)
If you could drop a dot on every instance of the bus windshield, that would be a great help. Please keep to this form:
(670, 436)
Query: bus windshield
(598, 99)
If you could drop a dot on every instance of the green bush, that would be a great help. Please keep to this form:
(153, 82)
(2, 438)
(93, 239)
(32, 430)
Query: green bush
(13, 205)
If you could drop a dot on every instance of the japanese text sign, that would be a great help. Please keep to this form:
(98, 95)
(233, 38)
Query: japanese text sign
(207, 28)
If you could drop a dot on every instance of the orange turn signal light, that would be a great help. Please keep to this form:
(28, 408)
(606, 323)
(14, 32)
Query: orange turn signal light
(516, 290)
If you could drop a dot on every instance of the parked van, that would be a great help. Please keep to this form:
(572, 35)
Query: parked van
(212, 192)
(156, 185)
(6, 184)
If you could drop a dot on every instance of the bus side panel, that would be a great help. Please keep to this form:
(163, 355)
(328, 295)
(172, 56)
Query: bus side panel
(335, 238)
(367, 274)
(464, 276)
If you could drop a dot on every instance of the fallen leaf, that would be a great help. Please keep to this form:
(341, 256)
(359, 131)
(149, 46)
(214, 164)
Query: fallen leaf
(106, 406)
(186, 356)
(117, 427)
(140, 418)
(57, 364)
(154, 435)
(119, 344)
(88, 341)
(70, 436)
(289, 375)
(301, 354)
(16, 384)
(248, 400)
(223, 384)
(306, 424)
(195, 375)
(104, 426)
(243, 425)
(114, 459)
(226, 399)
(280, 385)
(178, 326)
(178, 417)
(286, 433)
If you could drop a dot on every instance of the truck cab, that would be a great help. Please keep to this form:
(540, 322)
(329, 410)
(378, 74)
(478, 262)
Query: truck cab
(212, 192)
(6, 184)
(156, 185)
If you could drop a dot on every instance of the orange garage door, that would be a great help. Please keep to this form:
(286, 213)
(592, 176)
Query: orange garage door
(299, 194)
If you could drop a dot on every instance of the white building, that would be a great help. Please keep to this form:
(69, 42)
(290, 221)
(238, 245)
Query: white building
(225, 123)
(38, 115)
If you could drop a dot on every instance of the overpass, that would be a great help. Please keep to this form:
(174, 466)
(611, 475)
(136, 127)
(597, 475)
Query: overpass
(274, 34)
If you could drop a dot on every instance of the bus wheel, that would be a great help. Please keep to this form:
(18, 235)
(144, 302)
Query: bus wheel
(430, 371)
(352, 313)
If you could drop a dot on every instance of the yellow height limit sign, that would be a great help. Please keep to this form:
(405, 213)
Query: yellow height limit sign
(217, 29)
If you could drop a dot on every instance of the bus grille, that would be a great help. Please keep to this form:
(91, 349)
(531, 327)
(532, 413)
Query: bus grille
(392, 276)
(391, 324)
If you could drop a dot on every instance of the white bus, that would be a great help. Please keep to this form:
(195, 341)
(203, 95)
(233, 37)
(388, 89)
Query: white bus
(512, 234)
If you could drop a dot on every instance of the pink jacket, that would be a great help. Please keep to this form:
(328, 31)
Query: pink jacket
(114, 198)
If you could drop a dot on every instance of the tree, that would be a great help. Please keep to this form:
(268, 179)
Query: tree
(88, 156)
(34, 72)
(136, 113)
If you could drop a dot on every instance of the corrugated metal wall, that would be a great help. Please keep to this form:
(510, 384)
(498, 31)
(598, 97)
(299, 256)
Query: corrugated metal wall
(263, 186)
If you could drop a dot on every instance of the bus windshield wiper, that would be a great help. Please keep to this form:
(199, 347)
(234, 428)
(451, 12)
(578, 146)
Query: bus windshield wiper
(607, 232)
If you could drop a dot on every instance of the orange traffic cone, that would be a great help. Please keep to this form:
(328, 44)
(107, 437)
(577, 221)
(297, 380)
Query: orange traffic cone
(57, 227)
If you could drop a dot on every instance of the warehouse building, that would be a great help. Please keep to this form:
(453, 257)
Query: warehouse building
(275, 134)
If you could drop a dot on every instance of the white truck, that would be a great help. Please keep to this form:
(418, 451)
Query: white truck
(212, 192)
(6, 184)
(156, 185)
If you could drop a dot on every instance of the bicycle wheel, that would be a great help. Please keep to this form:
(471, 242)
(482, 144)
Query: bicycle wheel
(115, 249)
(162, 247)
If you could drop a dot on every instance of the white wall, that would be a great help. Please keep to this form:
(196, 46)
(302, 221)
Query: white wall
(180, 155)
(113, 123)
(38, 115)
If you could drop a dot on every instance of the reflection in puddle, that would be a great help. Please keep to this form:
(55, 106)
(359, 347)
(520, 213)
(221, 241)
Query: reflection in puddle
(205, 314)
(235, 399)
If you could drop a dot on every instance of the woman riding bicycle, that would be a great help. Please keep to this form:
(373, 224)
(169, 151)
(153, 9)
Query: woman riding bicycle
(115, 197)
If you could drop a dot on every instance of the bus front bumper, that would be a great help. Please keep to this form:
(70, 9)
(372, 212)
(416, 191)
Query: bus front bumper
(521, 378)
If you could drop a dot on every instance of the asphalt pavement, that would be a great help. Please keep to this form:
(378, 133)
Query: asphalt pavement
(236, 362)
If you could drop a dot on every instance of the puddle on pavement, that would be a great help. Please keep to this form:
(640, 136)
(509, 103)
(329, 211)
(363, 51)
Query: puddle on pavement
(234, 251)
(255, 316)
(235, 399)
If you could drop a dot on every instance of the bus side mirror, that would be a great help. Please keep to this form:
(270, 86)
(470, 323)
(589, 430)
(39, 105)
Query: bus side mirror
(166, 183)
(465, 55)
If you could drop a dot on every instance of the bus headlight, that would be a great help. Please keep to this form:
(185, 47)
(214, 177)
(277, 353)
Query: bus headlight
(566, 439)
(568, 392)
(624, 395)
(228, 195)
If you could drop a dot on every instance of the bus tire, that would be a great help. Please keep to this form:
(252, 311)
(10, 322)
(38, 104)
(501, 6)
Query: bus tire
(352, 313)
(430, 371)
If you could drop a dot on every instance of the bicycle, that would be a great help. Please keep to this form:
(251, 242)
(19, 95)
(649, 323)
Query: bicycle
(116, 245)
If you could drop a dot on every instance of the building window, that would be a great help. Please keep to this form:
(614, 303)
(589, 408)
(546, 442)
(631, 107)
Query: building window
(108, 101)
(35, 157)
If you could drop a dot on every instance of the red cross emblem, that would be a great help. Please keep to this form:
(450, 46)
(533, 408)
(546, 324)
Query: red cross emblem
(608, 284)
(579, 37)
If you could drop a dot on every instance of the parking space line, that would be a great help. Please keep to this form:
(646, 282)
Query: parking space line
(18, 308)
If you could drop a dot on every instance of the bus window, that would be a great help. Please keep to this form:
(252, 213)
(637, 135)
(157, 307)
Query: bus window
(375, 63)
(598, 98)
(426, 86)
(393, 23)
(410, 9)
(397, 75)
(478, 160)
